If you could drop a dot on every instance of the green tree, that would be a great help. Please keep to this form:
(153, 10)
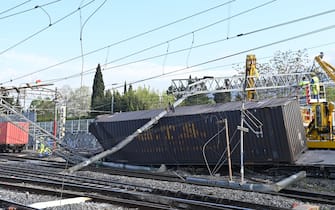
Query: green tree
(142, 98)
(196, 99)
(282, 63)
(147, 99)
(131, 100)
(45, 109)
(9, 99)
(77, 101)
(125, 88)
(117, 101)
(108, 101)
(330, 93)
(223, 97)
(289, 62)
(98, 93)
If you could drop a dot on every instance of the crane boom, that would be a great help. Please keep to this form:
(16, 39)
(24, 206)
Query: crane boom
(236, 83)
(328, 68)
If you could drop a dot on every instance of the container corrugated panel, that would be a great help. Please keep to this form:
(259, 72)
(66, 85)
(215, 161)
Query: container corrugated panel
(179, 137)
(11, 134)
(3, 132)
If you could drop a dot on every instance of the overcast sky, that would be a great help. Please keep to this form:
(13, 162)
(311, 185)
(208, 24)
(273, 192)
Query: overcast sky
(136, 40)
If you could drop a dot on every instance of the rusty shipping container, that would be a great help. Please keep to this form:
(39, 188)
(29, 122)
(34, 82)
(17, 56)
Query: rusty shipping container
(13, 137)
(179, 137)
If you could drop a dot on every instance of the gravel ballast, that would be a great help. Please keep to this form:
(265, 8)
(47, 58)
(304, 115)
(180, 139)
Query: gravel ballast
(315, 185)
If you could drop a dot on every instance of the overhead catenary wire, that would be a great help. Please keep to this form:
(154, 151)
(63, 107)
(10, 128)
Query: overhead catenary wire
(185, 49)
(187, 34)
(244, 33)
(226, 65)
(237, 53)
(92, 70)
(81, 36)
(46, 14)
(213, 42)
(190, 49)
(165, 57)
(28, 10)
(14, 7)
(44, 29)
(242, 62)
(121, 41)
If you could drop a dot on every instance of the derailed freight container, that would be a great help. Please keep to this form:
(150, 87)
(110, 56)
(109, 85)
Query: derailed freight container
(179, 137)
(13, 137)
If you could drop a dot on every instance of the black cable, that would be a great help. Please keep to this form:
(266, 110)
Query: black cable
(322, 45)
(238, 53)
(210, 61)
(190, 49)
(46, 14)
(12, 8)
(216, 41)
(165, 57)
(81, 43)
(27, 10)
(81, 38)
(43, 29)
(186, 34)
(122, 41)
(157, 45)
(289, 22)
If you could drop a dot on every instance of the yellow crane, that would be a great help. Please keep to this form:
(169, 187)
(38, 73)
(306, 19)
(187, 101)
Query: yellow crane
(328, 68)
(251, 73)
(319, 115)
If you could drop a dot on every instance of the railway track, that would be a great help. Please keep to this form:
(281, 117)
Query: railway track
(31, 159)
(314, 171)
(10, 205)
(55, 177)
(113, 192)
(322, 198)
(303, 195)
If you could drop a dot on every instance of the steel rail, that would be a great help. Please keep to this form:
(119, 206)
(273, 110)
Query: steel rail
(172, 199)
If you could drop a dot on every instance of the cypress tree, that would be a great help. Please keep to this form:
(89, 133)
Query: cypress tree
(98, 93)
(125, 88)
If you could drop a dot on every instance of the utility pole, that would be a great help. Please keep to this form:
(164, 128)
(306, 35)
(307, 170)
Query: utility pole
(112, 104)
(113, 92)
(55, 120)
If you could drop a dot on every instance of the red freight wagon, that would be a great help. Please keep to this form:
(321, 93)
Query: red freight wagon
(12, 137)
